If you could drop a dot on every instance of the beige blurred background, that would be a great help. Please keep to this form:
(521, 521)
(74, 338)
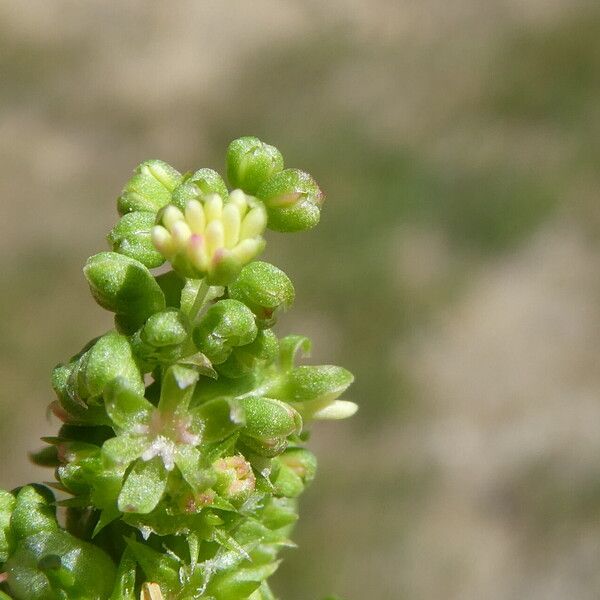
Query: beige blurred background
(456, 270)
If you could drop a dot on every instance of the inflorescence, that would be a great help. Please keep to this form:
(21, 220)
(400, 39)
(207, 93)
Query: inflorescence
(181, 455)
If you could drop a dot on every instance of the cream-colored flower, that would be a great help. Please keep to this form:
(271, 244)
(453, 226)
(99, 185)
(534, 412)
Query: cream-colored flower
(212, 238)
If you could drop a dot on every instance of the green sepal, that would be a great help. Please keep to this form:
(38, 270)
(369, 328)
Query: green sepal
(125, 578)
(177, 389)
(144, 487)
(265, 289)
(150, 187)
(110, 357)
(315, 383)
(45, 457)
(78, 570)
(221, 418)
(237, 584)
(124, 286)
(161, 339)
(225, 325)
(123, 449)
(125, 406)
(251, 162)
(157, 566)
(293, 200)
(296, 469)
(279, 512)
(166, 328)
(268, 423)
(131, 237)
(197, 185)
(171, 284)
(189, 462)
(289, 347)
(34, 511)
(245, 359)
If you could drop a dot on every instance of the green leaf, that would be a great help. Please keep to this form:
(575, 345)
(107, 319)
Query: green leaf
(144, 487)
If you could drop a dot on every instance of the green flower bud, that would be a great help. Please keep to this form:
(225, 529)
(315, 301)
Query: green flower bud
(110, 357)
(150, 187)
(131, 237)
(226, 324)
(251, 162)
(161, 338)
(296, 469)
(268, 423)
(124, 286)
(167, 328)
(279, 512)
(245, 359)
(198, 185)
(293, 200)
(34, 511)
(235, 479)
(55, 564)
(7, 505)
(210, 238)
(264, 289)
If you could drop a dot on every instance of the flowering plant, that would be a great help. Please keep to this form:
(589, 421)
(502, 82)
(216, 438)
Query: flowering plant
(181, 454)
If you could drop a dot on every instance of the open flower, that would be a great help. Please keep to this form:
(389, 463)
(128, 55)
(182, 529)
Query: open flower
(155, 439)
(212, 238)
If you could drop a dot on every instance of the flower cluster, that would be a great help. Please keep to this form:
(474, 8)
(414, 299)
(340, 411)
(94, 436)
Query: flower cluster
(181, 455)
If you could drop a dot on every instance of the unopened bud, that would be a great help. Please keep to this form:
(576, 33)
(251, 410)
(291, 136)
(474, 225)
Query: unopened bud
(110, 357)
(150, 187)
(293, 200)
(251, 162)
(131, 237)
(265, 289)
(245, 359)
(268, 423)
(226, 325)
(161, 338)
(124, 286)
(198, 185)
(235, 479)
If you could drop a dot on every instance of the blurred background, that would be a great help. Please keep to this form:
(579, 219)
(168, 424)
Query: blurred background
(456, 270)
